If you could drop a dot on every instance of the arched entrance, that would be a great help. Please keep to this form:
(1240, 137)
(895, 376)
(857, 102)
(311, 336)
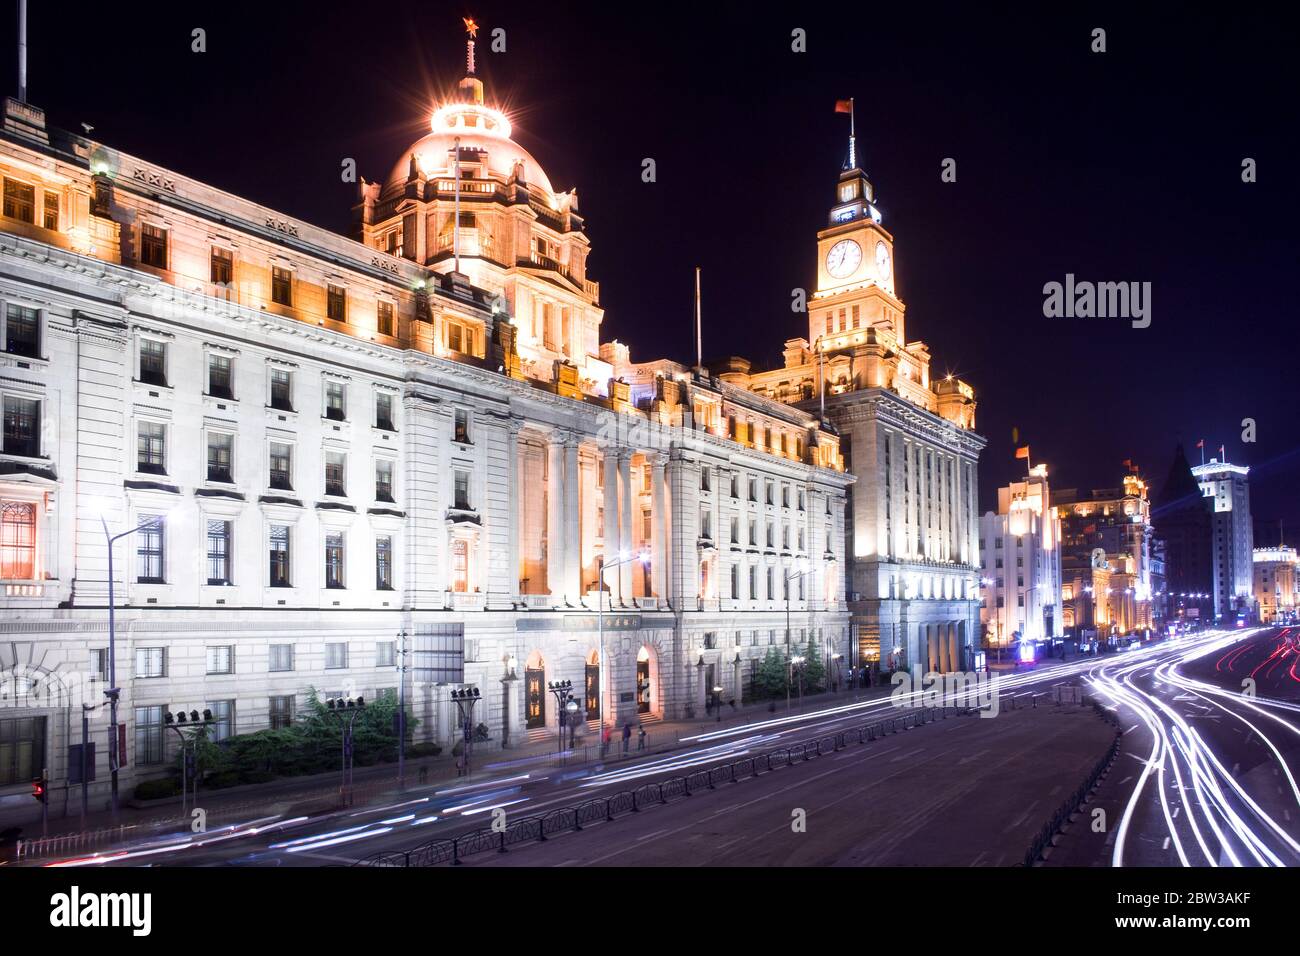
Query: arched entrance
(648, 691)
(535, 691)
(592, 686)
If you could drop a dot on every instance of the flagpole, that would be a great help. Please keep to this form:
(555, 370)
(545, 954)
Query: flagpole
(853, 155)
(455, 228)
(821, 378)
(699, 338)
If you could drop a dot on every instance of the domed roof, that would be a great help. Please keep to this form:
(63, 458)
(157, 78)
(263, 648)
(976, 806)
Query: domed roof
(479, 128)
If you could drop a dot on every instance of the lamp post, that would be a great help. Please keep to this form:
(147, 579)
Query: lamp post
(800, 570)
(601, 568)
(465, 699)
(563, 691)
(346, 710)
(571, 708)
(113, 692)
(717, 701)
(401, 710)
(796, 661)
(188, 730)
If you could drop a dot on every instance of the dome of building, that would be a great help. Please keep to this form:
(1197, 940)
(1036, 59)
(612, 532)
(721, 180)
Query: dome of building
(479, 127)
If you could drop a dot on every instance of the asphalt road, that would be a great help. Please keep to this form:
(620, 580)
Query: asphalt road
(1206, 774)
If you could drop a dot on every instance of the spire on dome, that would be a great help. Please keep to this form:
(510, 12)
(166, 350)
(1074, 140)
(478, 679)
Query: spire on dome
(471, 87)
(472, 29)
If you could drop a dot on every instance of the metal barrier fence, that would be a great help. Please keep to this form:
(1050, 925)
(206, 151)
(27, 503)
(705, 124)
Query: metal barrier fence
(538, 829)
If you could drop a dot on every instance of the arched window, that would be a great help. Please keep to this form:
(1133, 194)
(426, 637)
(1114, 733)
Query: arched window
(18, 541)
(460, 565)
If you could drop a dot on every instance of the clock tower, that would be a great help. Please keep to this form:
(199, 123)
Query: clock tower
(855, 269)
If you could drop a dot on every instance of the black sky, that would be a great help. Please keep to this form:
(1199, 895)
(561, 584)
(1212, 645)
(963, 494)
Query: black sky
(1122, 166)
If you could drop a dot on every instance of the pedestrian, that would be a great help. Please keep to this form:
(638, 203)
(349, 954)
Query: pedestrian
(640, 738)
(627, 736)
(604, 742)
(424, 773)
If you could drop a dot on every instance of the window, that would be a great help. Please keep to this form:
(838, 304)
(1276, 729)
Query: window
(153, 246)
(336, 303)
(706, 524)
(99, 664)
(17, 541)
(335, 401)
(278, 551)
(334, 560)
(753, 489)
(281, 658)
(460, 499)
(219, 552)
(281, 473)
(22, 421)
(735, 530)
(384, 563)
(221, 659)
(704, 479)
(383, 480)
(753, 583)
(735, 486)
(220, 381)
(220, 452)
(221, 266)
(20, 201)
(149, 735)
(151, 662)
(460, 566)
(384, 411)
(151, 448)
(153, 362)
(771, 587)
(281, 286)
(281, 711)
(223, 720)
(385, 653)
(735, 581)
(335, 474)
(282, 389)
(336, 656)
(460, 429)
(646, 528)
(384, 318)
(22, 331)
(149, 550)
(51, 211)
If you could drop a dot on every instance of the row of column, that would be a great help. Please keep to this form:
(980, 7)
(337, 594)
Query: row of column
(941, 646)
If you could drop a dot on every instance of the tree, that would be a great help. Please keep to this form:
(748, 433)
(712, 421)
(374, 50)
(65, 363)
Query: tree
(814, 672)
(772, 674)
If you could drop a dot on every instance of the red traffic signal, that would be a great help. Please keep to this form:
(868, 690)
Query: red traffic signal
(38, 790)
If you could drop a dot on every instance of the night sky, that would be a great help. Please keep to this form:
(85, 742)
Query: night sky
(1122, 166)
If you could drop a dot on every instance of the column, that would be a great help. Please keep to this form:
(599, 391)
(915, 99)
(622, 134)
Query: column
(572, 522)
(659, 569)
(555, 517)
(624, 519)
(610, 464)
(514, 509)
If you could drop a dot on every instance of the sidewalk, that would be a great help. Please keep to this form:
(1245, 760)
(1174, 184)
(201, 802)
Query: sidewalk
(320, 793)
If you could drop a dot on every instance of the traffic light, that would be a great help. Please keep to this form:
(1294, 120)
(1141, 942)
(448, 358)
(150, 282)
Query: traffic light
(39, 789)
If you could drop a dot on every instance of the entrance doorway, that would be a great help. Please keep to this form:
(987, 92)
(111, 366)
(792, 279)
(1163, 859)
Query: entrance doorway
(643, 681)
(593, 687)
(535, 692)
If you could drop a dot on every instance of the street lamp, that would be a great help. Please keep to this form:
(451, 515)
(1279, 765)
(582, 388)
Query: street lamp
(800, 570)
(113, 692)
(571, 708)
(465, 699)
(346, 710)
(796, 661)
(189, 728)
(601, 567)
(717, 701)
(563, 691)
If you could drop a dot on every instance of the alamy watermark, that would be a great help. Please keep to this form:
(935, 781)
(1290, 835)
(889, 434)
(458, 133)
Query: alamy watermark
(976, 689)
(1084, 299)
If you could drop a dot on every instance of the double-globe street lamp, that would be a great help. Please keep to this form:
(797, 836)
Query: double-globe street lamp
(800, 570)
(564, 706)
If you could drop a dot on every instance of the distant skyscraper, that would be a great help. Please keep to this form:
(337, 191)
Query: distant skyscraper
(1182, 519)
(1232, 537)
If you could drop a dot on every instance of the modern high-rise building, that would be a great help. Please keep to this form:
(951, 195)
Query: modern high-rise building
(1020, 548)
(1232, 535)
(908, 438)
(322, 455)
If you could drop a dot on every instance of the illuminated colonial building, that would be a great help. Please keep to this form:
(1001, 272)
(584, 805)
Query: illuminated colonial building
(912, 525)
(1276, 590)
(1021, 549)
(1106, 563)
(339, 447)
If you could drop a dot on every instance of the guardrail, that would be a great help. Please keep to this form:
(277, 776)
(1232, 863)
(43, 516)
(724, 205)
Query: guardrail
(538, 829)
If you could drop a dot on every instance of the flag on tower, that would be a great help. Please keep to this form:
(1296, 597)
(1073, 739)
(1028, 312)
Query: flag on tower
(844, 106)
(1201, 443)
(1022, 452)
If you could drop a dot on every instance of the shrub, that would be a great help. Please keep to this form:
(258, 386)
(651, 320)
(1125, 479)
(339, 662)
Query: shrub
(426, 749)
(157, 789)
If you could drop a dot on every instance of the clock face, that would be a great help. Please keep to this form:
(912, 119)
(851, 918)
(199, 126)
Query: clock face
(844, 258)
(882, 262)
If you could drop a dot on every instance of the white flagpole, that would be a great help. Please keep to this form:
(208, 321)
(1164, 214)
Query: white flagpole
(821, 378)
(699, 339)
(853, 155)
